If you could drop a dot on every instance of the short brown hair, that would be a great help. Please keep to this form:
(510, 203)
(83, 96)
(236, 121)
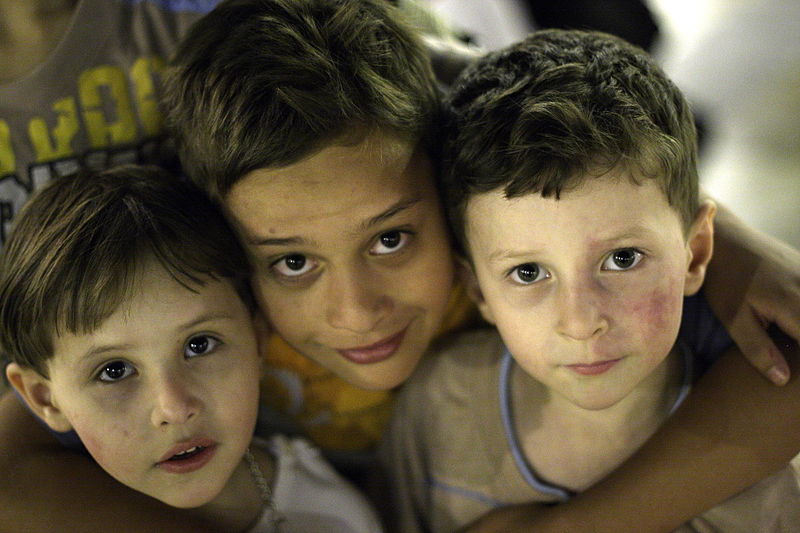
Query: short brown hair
(265, 83)
(558, 108)
(79, 243)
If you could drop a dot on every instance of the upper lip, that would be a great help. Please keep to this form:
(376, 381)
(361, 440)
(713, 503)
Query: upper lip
(595, 363)
(204, 442)
(374, 344)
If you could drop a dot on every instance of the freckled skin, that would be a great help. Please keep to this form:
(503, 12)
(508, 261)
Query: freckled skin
(587, 309)
(657, 309)
(169, 395)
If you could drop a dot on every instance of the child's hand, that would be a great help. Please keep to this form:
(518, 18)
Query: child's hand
(752, 282)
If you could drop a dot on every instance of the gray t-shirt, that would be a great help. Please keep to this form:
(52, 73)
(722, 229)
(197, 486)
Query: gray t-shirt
(93, 101)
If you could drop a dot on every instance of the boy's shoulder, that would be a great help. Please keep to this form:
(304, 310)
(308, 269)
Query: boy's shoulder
(458, 362)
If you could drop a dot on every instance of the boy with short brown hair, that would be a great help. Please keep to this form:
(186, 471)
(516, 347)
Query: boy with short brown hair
(571, 185)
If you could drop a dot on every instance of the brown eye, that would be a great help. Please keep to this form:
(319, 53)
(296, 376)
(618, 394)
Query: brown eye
(200, 345)
(115, 371)
(293, 265)
(390, 242)
(295, 262)
(623, 259)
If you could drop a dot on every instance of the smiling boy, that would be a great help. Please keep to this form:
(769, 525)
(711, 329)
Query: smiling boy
(570, 181)
(355, 274)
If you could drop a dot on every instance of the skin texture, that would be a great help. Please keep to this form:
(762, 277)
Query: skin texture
(349, 249)
(168, 370)
(564, 307)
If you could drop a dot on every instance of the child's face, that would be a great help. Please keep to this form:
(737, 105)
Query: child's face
(352, 262)
(170, 372)
(586, 291)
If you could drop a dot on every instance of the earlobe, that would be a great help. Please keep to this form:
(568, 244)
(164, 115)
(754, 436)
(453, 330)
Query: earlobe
(467, 276)
(35, 390)
(700, 246)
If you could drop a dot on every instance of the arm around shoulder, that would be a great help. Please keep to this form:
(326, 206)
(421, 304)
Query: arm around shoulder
(753, 280)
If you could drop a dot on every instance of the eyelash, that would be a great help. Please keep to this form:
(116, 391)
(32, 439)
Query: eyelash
(513, 274)
(542, 273)
(638, 255)
(309, 265)
(130, 370)
(406, 236)
(212, 341)
(212, 344)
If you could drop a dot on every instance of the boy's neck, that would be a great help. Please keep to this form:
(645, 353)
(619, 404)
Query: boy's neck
(29, 31)
(240, 503)
(575, 447)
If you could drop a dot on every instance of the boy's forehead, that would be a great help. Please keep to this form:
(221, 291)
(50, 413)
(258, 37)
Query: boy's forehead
(601, 209)
(379, 169)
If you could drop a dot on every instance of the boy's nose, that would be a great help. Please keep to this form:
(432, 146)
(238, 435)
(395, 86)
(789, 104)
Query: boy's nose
(356, 303)
(174, 402)
(580, 312)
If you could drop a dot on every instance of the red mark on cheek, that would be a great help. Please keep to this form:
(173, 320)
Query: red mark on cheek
(658, 311)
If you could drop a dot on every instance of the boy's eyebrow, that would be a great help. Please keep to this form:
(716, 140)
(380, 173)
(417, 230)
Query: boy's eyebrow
(209, 317)
(274, 241)
(397, 207)
(506, 253)
(104, 348)
(634, 232)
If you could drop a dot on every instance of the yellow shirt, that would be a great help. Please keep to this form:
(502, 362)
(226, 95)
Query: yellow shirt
(331, 412)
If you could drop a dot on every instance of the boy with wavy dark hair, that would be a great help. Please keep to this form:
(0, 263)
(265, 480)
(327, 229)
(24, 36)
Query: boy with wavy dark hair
(571, 185)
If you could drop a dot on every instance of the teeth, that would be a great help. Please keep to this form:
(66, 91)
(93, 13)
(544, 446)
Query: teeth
(186, 452)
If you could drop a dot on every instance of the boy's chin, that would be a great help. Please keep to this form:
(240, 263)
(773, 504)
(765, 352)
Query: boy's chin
(595, 400)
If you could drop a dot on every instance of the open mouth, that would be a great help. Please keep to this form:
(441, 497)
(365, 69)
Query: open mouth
(187, 454)
(189, 459)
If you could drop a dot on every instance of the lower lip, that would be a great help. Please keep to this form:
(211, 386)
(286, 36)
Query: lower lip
(594, 369)
(375, 353)
(193, 463)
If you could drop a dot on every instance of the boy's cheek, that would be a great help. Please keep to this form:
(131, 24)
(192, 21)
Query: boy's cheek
(657, 313)
(657, 309)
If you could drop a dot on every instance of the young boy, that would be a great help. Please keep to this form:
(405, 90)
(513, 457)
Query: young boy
(126, 313)
(570, 181)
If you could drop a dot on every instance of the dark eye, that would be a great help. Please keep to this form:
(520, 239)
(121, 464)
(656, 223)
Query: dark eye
(622, 259)
(295, 262)
(528, 273)
(390, 242)
(115, 371)
(200, 345)
(294, 265)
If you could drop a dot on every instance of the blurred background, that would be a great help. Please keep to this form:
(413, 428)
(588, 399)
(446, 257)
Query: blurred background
(737, 61)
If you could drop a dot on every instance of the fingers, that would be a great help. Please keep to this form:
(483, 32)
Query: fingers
(787, 316)
(755, 343)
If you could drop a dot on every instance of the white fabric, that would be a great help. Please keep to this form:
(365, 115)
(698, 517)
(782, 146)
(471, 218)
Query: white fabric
(311, 496)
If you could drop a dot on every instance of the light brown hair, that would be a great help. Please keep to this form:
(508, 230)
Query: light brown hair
(265, 83)
(78, 245)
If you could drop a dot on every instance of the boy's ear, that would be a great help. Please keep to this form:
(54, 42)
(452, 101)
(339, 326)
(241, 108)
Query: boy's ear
(700, 247)
(35, 390)
(467, 276)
